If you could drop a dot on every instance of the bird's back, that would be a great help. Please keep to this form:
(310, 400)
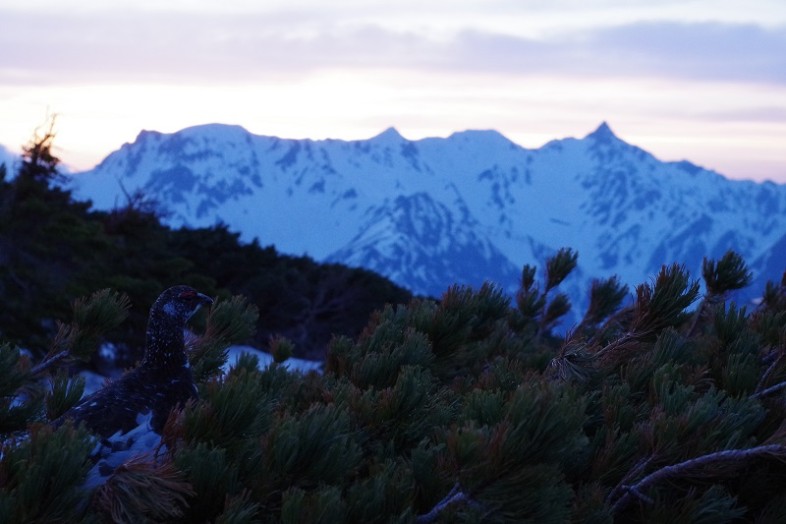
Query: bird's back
(118, 406)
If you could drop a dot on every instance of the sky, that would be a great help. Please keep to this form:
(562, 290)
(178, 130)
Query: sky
(702, 80)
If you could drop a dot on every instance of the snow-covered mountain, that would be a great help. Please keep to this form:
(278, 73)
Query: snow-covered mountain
(467, 208)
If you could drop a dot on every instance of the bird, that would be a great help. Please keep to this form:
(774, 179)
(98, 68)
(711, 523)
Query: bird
(129, 411)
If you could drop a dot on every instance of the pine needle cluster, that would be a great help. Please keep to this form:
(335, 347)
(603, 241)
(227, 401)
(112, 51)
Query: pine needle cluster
(463, 409)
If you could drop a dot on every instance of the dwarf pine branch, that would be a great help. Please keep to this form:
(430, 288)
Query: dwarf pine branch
(606, 296)
(143, 490)
(228, 322)
(658, 306)
(727, 274)
(93, 316)
(65, 392)
(534, 305)
(451, 410)
(720, 277)
(726, 462)
(559, 266)
(663, 304)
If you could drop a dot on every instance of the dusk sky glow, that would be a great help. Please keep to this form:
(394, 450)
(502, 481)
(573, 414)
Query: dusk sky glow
(703, 80)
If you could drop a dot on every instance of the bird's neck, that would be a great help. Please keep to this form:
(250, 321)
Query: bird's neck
(165, 347)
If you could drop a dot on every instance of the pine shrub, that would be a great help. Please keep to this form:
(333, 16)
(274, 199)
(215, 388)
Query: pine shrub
(663, 405)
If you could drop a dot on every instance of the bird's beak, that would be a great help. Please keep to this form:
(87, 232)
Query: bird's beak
(205, 299)
(202, 300)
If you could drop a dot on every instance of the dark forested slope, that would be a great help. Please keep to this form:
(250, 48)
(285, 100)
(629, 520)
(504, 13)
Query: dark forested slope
(53, 249)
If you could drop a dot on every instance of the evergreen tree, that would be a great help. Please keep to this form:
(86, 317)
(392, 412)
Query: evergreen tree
(48, 248)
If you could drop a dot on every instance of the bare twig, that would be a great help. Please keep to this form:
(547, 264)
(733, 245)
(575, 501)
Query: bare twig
(634, 490)
(769, 371)
(453, 497)
(770, 390)
(49, 362)
(729, 457)
(637, 470)
(615, 321)
(697, 317)
(621, 343)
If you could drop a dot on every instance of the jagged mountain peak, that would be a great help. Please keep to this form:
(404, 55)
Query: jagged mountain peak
(603, 133)
(608, 148)
(389, 135)
(438, 211)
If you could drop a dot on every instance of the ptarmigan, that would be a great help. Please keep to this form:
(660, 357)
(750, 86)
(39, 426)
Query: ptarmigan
(135, 407)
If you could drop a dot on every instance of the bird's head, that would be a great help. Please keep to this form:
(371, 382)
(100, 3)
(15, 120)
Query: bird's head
(168, 316)
(180, 303)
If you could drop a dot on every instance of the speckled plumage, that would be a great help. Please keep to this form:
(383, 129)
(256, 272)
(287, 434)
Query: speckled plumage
(162, 381)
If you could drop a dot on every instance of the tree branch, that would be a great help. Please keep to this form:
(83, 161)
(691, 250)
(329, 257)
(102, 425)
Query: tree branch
(769, 371)
(454, 497)
(719, 458)
(697, 317)
(769, 391)
(49, 361)
(635, 472)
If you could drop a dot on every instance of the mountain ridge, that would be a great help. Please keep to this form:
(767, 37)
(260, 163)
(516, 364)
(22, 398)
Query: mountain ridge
(386, 202)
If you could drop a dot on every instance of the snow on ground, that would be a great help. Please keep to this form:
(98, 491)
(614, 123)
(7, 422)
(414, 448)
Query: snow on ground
(265, 359)
(109, 453)
(94, 381)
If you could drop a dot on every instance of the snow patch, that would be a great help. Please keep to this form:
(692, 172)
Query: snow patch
(265, 359)
(93, 382)
(111, 452)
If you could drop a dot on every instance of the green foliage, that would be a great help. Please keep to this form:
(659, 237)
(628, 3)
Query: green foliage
(20, 397)
(39, 164)
(231, 410)
(281, 349)
(559, 266)
(303, 301)
(663, 304)
(321, 506)
(539, 311)
(240, 509)
(40, 475)
(64, 393)
(53, 248)
(103, 311)
(314, 447)
(448, 412)
(141, 490)
(50, 249)
(211, 476)
(228, 322)
(462, 409)
(727, 274)
(606, 296)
